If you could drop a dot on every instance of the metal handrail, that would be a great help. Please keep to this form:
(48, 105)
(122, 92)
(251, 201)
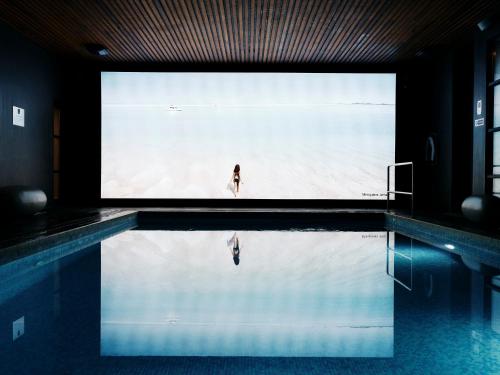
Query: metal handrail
(409, 258)
(389, 191)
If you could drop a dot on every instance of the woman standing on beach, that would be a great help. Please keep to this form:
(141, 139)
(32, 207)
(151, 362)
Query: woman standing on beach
(236, 179)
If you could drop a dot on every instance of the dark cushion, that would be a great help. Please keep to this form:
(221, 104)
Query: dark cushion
(21, 200)
(481, 208)
(477, 266)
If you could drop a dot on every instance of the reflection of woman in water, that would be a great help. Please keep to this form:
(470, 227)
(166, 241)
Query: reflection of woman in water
(236, 179)
(235, 242)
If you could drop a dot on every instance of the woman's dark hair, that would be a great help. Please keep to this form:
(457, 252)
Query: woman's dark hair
(236, 168)
(236, 260)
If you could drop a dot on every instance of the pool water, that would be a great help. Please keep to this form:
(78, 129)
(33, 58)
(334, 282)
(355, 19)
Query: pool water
(251, 302)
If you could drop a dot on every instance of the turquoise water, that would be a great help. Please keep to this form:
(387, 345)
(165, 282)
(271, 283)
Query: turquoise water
(251, 302)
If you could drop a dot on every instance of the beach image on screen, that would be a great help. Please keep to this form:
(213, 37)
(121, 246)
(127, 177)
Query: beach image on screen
(247, 135)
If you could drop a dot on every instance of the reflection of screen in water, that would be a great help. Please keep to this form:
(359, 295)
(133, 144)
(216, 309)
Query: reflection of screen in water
(295, 135)
(292, 294)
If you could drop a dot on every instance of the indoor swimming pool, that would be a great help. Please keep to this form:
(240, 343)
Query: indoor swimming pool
(310, 301)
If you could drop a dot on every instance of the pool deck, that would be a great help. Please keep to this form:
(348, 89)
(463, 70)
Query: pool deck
(84, 227)
(77, 231)
(463, 240)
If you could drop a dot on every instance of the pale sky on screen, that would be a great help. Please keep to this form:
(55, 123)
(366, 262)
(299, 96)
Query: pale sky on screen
(246, 89)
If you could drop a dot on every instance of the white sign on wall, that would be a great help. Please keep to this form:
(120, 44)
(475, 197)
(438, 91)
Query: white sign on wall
(17, 116)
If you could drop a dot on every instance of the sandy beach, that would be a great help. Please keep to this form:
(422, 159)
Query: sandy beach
(327, 159)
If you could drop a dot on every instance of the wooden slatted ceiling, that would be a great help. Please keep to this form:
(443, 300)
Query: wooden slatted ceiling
(247, 31)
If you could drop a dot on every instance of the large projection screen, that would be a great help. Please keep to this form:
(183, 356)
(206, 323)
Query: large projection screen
(294, 135)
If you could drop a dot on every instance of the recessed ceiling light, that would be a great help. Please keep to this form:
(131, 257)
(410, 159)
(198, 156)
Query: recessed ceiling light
(484, 24)
(449, 246)
(96, 49)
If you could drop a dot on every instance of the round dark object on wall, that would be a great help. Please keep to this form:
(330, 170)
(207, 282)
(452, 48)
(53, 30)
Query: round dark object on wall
(481, 209)
(21, 200)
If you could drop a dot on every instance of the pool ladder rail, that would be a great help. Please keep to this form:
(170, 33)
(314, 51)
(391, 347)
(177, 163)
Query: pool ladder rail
(395, 192)
(393, 254)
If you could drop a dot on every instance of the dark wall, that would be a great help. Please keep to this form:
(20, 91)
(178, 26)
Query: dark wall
(81, 134)
(81, 162)
(482, 156)
(28, 79)
(480, 132)
(434, 95)
(462, 146)
(435, 101)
